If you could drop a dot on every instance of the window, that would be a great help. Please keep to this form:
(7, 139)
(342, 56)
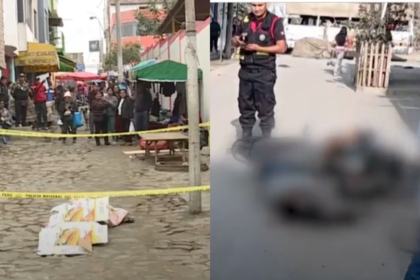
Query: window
(47, 33)
(28, 14)
(21, 10)
(35, 25)
(127, 30)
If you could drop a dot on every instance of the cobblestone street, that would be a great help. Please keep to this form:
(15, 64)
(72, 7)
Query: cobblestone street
(164, 242)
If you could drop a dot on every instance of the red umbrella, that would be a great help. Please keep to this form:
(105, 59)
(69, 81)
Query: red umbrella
(78, 76)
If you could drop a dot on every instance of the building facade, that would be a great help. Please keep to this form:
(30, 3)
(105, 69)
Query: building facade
(43, 19)
(76, 57)
(28, 25)
(128, 9)
(8, 49)
(129, 29)
(23, 22)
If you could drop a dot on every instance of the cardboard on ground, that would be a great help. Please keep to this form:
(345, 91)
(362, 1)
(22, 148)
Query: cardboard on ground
(81, 210)
(71, 238)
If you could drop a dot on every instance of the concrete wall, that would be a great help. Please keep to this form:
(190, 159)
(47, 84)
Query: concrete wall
(11, 32)
(174, 49)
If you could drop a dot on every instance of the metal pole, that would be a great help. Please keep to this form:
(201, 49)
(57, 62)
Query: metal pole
(229, 29)
(101, 45)
(223, 33)
(193, 107)
(119, 44)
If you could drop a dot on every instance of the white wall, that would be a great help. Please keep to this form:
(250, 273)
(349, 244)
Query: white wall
(164, 51)
(25, 34)
(174, 50)
(11, 23)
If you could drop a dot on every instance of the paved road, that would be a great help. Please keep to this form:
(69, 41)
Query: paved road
(164, 242)
(247, 245)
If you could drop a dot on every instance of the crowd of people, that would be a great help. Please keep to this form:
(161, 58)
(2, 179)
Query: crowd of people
(106, 108)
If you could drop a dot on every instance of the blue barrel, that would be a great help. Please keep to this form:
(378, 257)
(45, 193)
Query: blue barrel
(50, 95)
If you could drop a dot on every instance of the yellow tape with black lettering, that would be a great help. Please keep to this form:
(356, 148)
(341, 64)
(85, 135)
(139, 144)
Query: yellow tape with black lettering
(73, 195)
(20, 133)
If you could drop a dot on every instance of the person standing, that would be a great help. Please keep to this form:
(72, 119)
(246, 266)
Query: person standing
(4, 92)
(214, 34)
(20, 93)
(100, 120)
(66, 110)
(260, 37)
(58, 96)
(142, 104)
(110, 111)
(40, 102)
(91, 96)
(125, 114)
(340, 49)
(6, 121)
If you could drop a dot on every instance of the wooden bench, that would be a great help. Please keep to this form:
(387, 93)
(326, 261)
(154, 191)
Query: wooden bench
(170, 137)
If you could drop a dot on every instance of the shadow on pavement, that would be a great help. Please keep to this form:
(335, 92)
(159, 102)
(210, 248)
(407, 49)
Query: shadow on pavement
(404, 93)
(345, 78)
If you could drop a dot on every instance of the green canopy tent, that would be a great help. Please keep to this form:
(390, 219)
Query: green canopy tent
(165, 71)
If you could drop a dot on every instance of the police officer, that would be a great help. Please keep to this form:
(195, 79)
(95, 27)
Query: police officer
(260, 37)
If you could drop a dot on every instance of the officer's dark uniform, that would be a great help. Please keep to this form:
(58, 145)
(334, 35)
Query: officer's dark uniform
(258, 72)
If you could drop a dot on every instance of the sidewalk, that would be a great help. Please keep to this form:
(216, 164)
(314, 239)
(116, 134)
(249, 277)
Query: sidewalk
(164, 242)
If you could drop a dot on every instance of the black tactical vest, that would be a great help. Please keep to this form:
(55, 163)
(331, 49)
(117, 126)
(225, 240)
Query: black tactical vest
(261, 34)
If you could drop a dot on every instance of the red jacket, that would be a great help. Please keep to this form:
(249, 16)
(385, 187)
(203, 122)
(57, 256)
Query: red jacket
(40, 95)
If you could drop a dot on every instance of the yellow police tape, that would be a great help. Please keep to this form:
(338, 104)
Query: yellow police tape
(72, 195)
(59, 135)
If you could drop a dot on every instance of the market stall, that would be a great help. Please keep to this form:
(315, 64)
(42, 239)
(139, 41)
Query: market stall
(167, 81)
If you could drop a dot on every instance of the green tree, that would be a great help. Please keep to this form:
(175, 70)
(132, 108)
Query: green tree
(131, 54)
(373, 28)
(150, 19)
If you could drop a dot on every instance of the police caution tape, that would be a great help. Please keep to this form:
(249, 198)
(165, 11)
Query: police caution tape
(73, 195)
(20, 133)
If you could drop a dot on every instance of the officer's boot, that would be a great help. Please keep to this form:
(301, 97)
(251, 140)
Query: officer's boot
(246, 133)
(266, 133)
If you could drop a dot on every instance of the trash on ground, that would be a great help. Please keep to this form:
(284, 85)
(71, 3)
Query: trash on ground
(72, 238)
(82, 210)
(75, 226)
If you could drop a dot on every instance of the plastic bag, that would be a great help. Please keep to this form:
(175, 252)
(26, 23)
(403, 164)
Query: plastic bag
(59, 122)
(132, 128)
(77, 119)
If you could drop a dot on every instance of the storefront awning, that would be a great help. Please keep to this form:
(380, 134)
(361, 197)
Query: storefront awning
(64, 67)
(39, 58)
(66, 63)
